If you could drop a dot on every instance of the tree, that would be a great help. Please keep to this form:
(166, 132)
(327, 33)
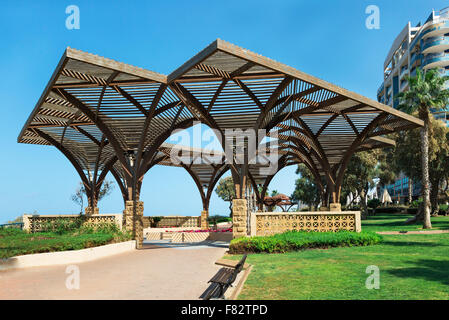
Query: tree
(407, 157)
(426, 91)
(105, 189)
(226, 191)
(306, 189)
(78, 197)
(360, 172)
(386, 169)
(81, 192)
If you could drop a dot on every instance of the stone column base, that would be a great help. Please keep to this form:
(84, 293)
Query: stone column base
(88, 211)
(335, 207)
(134, 222)
(239, 216)
(204, 225)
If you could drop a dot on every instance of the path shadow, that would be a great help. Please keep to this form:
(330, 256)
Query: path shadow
(159, 244)
(412, 243)
(430, 270)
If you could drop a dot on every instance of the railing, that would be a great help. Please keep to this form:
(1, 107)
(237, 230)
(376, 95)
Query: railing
(403, 84)
(381, 88)
(17, 225)
(435, 57)
(415, 57)
(435, 41)
(442, 23)
(403, 71)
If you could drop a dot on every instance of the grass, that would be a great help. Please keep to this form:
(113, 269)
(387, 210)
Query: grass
(395, 222)
(411, 267)
(15, 242)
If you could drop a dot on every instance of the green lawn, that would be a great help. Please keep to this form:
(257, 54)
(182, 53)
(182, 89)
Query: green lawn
(395, 222)
(411, 267)
(15, 242)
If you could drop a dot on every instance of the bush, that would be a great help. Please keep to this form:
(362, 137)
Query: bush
(416, 203)
(100, 227)
(374, 203)
(300, 240)
(155, 221)
(63, 225)
(218, 219)
(395, 209)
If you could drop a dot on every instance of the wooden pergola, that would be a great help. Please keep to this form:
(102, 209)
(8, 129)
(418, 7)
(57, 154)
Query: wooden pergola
(106, 116)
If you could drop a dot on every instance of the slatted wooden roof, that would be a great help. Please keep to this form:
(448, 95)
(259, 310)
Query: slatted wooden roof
(98, 111)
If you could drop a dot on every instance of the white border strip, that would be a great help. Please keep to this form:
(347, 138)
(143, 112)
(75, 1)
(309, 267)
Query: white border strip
(66, 257)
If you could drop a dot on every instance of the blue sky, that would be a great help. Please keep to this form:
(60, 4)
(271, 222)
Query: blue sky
(327, 39)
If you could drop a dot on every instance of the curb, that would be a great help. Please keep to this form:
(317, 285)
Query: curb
(238, 288)
(66, 257)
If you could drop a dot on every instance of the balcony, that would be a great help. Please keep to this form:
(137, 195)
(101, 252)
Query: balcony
(439, 26)
(381, 88)
(415, 57)
(435, 60)
(403, 72)
(403, 85)
(435, 44)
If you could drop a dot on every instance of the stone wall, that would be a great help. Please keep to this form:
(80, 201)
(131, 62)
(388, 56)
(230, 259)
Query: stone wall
(268, 223)
(204, 223)
(173, 221)
(134, 222)
(34, 223)
(239, 217)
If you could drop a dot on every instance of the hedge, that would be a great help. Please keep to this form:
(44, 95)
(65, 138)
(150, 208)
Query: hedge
(300, 240)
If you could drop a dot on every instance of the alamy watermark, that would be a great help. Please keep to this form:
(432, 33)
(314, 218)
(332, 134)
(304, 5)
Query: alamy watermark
(73, 20)
(72, 282)
(373, 280)
(373, 19)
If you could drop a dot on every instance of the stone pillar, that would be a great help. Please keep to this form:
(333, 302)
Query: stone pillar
(239, 217)
(90, 211)
(335, 207)
(204, 223)
(134, 222)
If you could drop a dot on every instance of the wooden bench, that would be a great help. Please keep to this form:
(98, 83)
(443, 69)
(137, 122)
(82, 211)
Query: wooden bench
(222, 280)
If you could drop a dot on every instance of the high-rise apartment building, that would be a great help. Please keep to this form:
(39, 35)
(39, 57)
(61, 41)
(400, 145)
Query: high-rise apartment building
(425, 46)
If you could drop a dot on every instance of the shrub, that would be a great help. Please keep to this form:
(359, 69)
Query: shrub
(99, 227)
(416, 203)
(395, 209)
(443, 210)
(63, 225)
(300, 240)
(374, 203)
(218, 219)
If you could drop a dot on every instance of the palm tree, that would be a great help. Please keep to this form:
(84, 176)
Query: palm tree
(426, 91)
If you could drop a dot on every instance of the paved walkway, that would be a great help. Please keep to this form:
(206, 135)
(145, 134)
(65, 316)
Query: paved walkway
(159, 271)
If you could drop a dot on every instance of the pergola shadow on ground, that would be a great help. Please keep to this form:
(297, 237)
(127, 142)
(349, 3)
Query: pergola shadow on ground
(110, 117)
(154, 244)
